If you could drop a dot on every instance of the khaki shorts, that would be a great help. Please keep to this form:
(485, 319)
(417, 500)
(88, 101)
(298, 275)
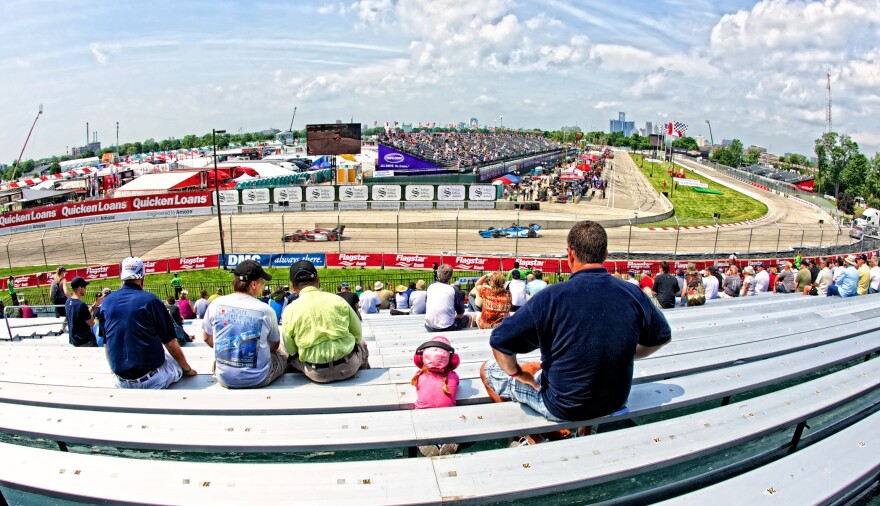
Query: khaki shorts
(342, 369)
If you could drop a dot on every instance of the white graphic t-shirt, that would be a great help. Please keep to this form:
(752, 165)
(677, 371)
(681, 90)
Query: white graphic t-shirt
(242, 327)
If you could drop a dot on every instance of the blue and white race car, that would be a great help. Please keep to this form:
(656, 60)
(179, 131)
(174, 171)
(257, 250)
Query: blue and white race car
(513, 231)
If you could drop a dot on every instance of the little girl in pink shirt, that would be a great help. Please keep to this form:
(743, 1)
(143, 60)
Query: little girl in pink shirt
(436, 383)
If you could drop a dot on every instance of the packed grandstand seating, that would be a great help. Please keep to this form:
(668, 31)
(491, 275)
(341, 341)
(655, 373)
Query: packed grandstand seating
(467, 149)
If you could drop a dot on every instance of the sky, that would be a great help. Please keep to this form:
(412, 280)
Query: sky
(755, 70)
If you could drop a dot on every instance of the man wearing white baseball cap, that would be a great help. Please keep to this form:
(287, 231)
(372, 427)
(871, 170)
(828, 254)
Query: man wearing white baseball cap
(135, 326)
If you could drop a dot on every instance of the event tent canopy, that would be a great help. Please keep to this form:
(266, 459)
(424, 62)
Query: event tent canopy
(508, 179)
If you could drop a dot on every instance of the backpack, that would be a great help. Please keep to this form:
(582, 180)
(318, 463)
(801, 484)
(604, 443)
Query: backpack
(696, 294)
(56, 294)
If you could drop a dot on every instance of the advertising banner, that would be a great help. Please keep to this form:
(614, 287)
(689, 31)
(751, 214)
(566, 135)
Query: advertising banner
(112, 209)
(541, 264)
(98, 272)
(255, 196)
(155, 266)
(386, 192)
(467, 263)
(351, 193)
(288, 259)
(392, 159)
(419, 192)
(402, 261)
(288, 194)
(193, 263)
(354, 259)
(451, 192)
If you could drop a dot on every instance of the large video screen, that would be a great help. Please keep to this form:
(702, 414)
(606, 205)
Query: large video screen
(333, 139)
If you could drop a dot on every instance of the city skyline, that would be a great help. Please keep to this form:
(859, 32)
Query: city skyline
(756, 70)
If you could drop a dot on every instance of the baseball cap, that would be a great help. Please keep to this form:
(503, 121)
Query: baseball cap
(303, 270)
(106, 291)
(250, 271)
(358, 288)
(79, 282)
(864, 257)
(62, 268)
(761, 265)
(132, 268)
(515, 274)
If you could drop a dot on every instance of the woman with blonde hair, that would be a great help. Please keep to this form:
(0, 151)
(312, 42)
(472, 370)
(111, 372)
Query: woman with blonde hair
(496, 300)
(58, 292)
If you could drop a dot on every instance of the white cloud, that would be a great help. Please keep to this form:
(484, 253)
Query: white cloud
(100, 51)
(611, 104)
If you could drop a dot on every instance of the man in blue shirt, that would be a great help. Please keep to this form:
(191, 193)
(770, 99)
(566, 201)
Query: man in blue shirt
(135, 326)
(846, 283)
(589, 329)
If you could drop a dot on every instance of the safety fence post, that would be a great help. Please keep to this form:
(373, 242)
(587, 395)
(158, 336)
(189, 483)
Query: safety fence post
(677, 235)
(778, 236)
(231, 243)
(9, 258)
(43, 245)
(177, 228)
(82, 239)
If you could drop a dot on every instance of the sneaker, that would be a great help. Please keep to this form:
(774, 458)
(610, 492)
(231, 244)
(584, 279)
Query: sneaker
(525, 441)
(449, 449)
(430, 450)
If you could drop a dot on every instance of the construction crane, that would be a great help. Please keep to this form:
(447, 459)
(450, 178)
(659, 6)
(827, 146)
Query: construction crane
(18, 163)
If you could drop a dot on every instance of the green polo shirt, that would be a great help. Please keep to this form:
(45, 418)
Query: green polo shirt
(320, 326)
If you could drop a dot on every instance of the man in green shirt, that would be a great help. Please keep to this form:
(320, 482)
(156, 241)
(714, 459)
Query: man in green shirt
(177, 284)
(523, 273)
(321, 332)
(804, 278)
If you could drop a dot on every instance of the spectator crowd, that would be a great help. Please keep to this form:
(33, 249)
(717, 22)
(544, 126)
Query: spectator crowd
(470, 149)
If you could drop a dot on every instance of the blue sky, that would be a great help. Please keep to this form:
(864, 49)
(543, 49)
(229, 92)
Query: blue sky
(165, 69)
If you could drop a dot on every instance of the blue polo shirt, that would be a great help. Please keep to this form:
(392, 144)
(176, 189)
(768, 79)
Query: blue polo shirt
(587, 329)
(77, 327)
(135, 325)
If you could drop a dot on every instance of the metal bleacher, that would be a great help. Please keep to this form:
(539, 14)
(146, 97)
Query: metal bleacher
(743, 376)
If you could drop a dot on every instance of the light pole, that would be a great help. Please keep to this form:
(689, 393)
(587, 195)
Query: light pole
(711, 138)
(217, 196)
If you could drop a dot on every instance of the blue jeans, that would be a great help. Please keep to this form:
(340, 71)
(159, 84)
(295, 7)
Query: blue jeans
(833, 290)
(510, 389)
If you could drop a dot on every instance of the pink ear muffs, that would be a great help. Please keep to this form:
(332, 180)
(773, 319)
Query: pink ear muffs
(451, 362)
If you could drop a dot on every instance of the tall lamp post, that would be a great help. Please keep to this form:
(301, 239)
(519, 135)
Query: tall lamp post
(217, 196)
(711, 138)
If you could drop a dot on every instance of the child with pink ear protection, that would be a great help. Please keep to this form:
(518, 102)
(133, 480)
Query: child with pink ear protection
(436, 383)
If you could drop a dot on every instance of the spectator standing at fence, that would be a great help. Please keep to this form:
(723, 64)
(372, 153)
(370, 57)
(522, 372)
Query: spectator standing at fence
(202, 304)
(244, 332)
(533, 287)
(177, 285)
(864, 275)
(587, 356)
(517, 287)
(187, 311)
(321, 332)
(418, 298)
(10, 285)
(79, 316)
(847, 282)
(804, 278)
(58, 292)
(369, 301)
(135, 326)
(522, 272)
(496, 300)
(665, 286)
(444, 309)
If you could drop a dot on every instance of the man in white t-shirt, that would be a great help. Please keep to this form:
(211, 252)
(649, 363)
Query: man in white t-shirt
(244, 332)
(517, 287)
(418, 298)
(762, 279)
(710, 285)
(874, 285)
(444, 310)
(369, 302)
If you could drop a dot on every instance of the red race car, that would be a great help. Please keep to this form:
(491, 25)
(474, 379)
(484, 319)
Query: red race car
(315, 234)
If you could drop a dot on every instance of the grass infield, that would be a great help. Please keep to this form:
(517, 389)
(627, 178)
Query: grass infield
(695, 208)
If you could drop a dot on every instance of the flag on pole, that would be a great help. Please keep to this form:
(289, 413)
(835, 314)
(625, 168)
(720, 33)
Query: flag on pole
(676, 128)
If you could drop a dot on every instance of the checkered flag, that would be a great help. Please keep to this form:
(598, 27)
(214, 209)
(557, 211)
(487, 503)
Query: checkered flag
(679, 129)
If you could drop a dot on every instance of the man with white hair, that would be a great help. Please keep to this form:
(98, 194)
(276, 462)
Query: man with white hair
(135, 326)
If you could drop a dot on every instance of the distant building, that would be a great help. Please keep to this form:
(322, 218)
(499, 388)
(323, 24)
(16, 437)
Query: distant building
(725, 143)
(649, 128)
(758, 148)
(474, 123)
(285, 138)
(270, 131)
(701, 141)
(622, 125)
(462, 126)
(78, 151)
(407, 127)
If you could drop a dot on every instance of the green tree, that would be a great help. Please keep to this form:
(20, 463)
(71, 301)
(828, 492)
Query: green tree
(190, 141)
(834, 153)
(871, 190)
(688, 143)
(55, 168)
(752, 156)
(854, 174)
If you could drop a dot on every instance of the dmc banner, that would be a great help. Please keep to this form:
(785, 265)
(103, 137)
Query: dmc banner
(354, 259)
(109, 209)
(276, 259)
(467, 263)
(401, 261)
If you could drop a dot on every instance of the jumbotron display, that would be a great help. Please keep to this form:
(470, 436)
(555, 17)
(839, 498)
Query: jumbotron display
(333, 139)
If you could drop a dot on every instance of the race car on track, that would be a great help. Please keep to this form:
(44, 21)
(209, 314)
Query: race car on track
(315, 234)
(513, 231)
